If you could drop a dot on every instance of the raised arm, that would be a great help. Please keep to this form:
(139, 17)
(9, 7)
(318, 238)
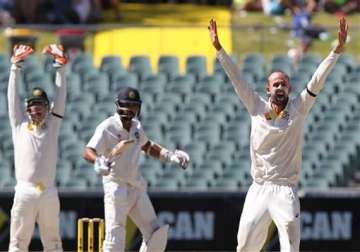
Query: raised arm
(247, 95)
(318, 79)
(15, 106)
(57, 51)
(61, 86)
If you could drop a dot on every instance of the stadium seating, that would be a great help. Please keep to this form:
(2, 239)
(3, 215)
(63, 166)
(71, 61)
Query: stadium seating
(196, 65)
(169, 65)
(140, 65)
(196, 111)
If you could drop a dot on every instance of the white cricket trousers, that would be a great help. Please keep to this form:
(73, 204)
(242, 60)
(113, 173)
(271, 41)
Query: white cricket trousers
(122, 200)
(264, 203)
(32, 206)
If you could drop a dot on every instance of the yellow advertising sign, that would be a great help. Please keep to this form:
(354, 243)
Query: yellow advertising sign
(156, 41)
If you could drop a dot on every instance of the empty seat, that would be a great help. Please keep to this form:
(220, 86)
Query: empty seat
(5, 171)
(9, 183)
(231, 98)
(198, 108)
(73, 152)
(196, 65)
(110, 64)
(188, 117)
(168, 185)
(181, 84)
(84, 170)
(73, 85)
(196, 184)
(34, 75)
(151, 165)
(171, 99)
(226, 183)
(196, 98)
(226, 108)
(64, 171)
(254, 59)
(209, 134)
(310, 59)
(124, 80)
(150, 177)
(169, 65)
(140, 65)
(239, 174)
(214, 117)
(255, 64)
(81, 63)
(237, 133)
(76, 184)
(284, 67)
(154, 80)
(154, 133)
(179, 134)
(208, 87)
(225, 149)
(223, 156)
(98, 85)
(173, 172)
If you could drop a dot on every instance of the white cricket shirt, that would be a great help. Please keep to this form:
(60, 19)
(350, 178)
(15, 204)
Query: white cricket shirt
(109, 133)
(35, 150)
(276, 142)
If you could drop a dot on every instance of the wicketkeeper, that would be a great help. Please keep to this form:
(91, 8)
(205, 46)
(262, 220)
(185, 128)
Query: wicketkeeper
(35, 131)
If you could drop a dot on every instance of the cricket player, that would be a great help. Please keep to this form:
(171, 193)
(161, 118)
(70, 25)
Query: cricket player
(275, 148)
(124, 187)
(35, 131)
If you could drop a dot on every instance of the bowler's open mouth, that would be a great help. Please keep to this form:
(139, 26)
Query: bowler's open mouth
(280, 93)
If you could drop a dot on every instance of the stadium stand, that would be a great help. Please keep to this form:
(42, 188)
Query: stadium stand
(197, 111)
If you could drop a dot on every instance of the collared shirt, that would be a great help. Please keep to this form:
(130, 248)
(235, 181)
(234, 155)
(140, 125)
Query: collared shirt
(276, 141)
(35, 148)
(107, 135)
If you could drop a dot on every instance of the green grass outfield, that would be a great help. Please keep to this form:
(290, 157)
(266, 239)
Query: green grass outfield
(273, 39)
(254, 32)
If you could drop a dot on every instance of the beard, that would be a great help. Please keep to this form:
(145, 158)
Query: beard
(279, 99)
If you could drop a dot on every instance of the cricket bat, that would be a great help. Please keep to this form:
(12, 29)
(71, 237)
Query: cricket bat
(119, 148)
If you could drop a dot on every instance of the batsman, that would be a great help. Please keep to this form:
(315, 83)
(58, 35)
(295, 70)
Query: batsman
(275, 148)
(115, 149)
(35, 131)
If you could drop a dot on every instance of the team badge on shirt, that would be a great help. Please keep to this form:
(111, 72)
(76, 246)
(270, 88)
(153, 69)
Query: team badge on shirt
(32, 126)
(137, 135)
(283, 115)
(267, 116)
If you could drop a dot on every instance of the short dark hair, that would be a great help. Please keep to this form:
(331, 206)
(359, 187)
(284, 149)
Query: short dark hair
(278, 71)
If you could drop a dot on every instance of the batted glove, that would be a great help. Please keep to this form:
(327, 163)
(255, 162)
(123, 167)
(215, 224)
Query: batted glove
(179, 157)
(20, 53)
(56, 51)
(102, 166)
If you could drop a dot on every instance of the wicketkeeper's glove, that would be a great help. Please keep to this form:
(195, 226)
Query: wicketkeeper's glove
(179, 157)
(57, 51)
(102, 166)
(20, 52)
